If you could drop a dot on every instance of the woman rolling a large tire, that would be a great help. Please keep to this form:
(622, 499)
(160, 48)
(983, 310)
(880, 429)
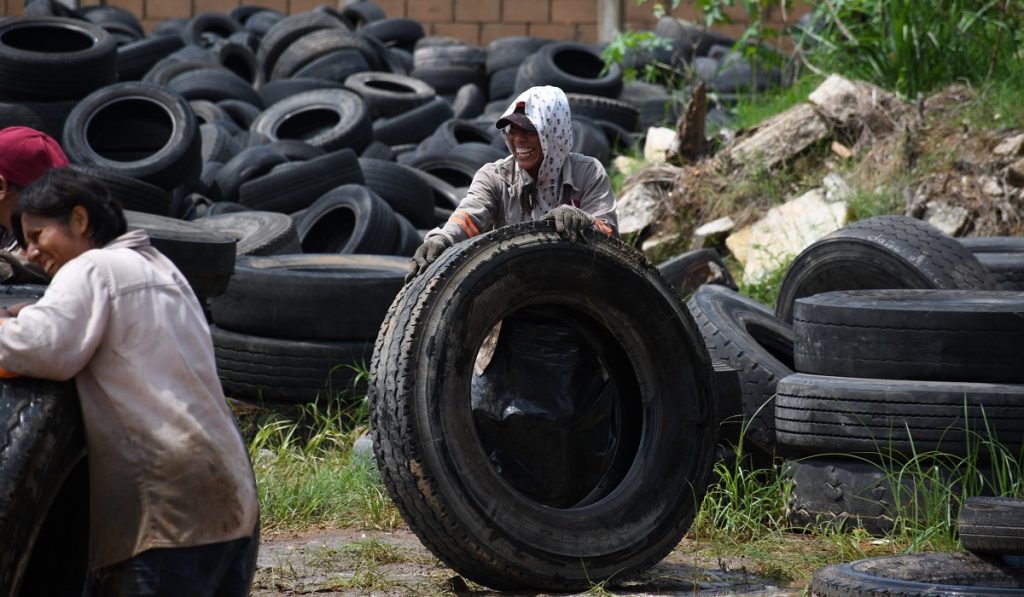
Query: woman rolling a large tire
(439, 467)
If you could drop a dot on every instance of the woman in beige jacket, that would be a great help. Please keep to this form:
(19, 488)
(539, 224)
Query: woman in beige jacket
(173, 503)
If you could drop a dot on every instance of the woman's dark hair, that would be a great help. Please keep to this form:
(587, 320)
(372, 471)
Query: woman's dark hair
(57, 192)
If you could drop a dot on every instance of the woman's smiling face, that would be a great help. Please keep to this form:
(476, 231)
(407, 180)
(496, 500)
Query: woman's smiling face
(526, 149)
(52, 242)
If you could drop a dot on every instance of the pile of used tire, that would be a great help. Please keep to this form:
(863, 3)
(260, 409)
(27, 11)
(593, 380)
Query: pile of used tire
(889, 340)
(258, 136)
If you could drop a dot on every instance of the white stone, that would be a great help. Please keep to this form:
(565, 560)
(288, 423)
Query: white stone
(637, 208)
(1010, 146)
(837, 98)
(784, 231)
(711, 232)
(658, 141)
(627, 165)
(951, 219)
(652, 244)
(836, 188)
(990, 186)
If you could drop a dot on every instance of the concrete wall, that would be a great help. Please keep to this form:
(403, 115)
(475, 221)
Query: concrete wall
(473, 21)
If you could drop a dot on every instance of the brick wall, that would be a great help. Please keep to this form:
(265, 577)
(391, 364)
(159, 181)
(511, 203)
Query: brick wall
(473, 21)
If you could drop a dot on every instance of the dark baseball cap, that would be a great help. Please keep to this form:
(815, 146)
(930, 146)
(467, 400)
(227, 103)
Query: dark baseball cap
(517, 117)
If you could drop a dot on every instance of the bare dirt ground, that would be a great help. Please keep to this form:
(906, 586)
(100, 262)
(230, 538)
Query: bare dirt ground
(352, 562)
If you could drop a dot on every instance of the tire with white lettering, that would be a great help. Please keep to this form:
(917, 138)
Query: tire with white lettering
(431, 455)
(44, 519)
(878, 253)
(920, 575)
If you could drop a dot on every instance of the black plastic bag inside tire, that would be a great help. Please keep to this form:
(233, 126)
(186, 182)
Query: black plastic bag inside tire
(642, 496)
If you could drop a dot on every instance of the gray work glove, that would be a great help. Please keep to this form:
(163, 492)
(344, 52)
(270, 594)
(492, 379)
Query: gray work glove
(570, 222)
(430, 250)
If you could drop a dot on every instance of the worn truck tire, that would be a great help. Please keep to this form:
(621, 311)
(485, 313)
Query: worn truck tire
(815, 413)
(257, 232)
(430, 454)
(992, 525)
(310, 297)
(44, 522)
(919, 575)
(881, 252)
(936, 335)
(257, 369)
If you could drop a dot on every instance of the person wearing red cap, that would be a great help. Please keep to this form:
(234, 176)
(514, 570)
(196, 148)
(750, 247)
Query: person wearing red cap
(542, 179)
(25, 154)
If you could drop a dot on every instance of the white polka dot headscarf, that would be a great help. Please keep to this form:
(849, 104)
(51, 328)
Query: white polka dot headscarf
(548, 110)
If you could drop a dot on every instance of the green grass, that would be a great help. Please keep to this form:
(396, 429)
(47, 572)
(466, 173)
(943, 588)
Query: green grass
(307, 476)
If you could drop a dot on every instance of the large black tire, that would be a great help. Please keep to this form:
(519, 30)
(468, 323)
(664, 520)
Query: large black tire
(54, 58)
(745, 335)
(315, 297)
(992, 525)
(319, 43)
(326, 118)
(881, 252)
(282, 89)
(430, 454)
(456, 132)
(205, 28)
(572, 66)
(993, 244)
(602, 108)
(689, 271)
(453, 169)
(44, 519)
(246, 165)
(349, 219)
(827, 492)
(364, 12)
(130, 192)
(815, 413)
(509, 52)
(138, 130)
(395, 32)
(388, 94)
(134, 59)
(257, 232)
(285, 31)
(296, 185)
(336, 66)
(402, 188)
(1006, 268)
(920, 575)
(206, 258)
(256, 369)
(214, 84)
(413, 126)
(937, 335)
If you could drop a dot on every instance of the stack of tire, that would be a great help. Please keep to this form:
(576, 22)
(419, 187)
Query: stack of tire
(323, 132)
(990, 528)
(888, 339)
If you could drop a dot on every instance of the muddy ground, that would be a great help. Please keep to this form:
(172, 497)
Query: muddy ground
(354, 562)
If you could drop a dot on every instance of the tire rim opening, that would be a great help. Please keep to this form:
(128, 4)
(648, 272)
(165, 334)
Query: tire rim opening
(556, 406)
(332, 231)
(579, 64)
(390, 86)
(308, 124)
(777, 346)
(48, 39)
(129, 130)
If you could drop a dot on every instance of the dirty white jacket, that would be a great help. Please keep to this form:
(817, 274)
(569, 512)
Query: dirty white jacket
(167, 464)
